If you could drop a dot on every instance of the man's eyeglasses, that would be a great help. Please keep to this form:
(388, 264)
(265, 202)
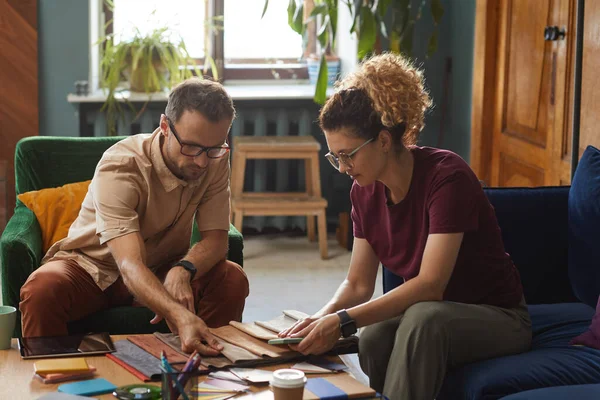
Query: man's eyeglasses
(194, 150)
(345, 159)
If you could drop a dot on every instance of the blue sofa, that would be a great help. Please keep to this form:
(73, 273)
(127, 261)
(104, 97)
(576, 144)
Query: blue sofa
(535, 230)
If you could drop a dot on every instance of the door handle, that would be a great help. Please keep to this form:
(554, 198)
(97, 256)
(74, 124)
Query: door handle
(552, 33)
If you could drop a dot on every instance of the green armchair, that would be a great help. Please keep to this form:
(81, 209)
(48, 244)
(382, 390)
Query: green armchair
(45, 162)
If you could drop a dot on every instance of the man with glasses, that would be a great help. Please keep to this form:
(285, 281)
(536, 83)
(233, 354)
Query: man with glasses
(130, 242)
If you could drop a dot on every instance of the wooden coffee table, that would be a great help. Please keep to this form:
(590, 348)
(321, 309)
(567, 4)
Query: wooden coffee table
(17, 381)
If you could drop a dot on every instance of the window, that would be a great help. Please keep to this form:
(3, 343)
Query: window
(247, 47)
(182, 17)
(248, 37)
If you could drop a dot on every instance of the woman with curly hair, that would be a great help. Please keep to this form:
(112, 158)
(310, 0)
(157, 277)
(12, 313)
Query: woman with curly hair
(422, 213)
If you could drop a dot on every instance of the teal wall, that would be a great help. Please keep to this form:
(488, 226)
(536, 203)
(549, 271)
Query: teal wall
(63, 59)
(456, 41)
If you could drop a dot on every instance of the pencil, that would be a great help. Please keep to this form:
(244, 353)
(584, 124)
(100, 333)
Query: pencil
(169, 369)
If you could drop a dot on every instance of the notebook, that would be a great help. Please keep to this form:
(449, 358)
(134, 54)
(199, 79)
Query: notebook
(139, 362)
(334, 386)
(61, 366)
(245, 345)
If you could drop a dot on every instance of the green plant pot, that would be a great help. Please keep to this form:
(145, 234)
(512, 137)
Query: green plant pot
(138, 79)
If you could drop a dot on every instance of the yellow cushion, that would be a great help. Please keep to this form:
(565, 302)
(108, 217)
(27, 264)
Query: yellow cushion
(56, 209)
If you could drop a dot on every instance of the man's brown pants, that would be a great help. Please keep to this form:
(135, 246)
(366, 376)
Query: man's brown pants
(61, 291)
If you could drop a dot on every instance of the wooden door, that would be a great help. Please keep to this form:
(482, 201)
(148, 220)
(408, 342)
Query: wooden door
(590, 82)
(19, 84)
(520, 92)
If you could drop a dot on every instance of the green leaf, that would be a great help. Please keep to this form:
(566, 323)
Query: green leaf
(356, 15)
(299, 19)
(213, 67)
(321, 87)
(110, 4)
(395, 42)
(333, 16)
(406, 41)
(433, 43)
(265, 8)
(401, 16)
(437, 10)
(295, 17)
(323, 34)
(367, 34)
(291, 10)
(382, 7)
(350, 7)
(319, 9)
(381, 24)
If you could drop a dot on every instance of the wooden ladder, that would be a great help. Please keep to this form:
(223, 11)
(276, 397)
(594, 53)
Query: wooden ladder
(309, 203)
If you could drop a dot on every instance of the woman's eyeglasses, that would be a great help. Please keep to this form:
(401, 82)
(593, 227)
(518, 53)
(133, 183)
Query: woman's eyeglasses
(345, 159)
(194, 150)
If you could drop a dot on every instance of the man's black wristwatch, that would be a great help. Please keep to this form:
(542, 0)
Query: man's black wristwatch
(347, 324)
(188, 266)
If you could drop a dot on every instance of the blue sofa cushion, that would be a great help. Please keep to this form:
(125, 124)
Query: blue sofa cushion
(591, 337)
(551, 361)
(575, 392)
(584, 228)
(533, 223)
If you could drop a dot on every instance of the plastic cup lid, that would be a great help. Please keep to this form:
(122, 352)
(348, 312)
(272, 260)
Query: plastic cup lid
(288, 378)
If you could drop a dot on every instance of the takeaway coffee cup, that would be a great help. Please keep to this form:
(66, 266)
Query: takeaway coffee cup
(288, 384)
(8, 317)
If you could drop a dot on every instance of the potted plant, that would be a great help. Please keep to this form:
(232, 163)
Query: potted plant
(373, 20)
(393, 20)
(324, 12)
(146, 63)
(323, 64)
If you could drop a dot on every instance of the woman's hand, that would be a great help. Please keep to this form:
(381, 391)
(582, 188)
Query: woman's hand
(297, 327)
(319, 336)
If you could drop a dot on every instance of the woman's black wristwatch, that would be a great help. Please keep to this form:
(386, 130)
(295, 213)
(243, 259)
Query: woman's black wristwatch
(347, 324)
(188, 266)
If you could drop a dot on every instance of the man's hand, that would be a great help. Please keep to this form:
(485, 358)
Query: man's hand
(177, 284)
(193, 332)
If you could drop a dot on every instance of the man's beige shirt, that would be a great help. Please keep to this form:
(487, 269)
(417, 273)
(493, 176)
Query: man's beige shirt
(134, 191)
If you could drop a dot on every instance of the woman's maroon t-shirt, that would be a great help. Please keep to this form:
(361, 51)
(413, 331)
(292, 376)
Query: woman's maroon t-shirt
(444, 196)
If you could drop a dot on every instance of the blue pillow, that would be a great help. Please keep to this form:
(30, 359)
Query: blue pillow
(584, 228)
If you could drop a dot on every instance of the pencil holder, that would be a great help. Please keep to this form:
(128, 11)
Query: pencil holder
(188, 381)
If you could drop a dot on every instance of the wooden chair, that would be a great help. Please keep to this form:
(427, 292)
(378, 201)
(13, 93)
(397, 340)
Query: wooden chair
(309, 203)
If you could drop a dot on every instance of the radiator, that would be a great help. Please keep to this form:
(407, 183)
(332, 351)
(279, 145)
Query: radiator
(263, 118)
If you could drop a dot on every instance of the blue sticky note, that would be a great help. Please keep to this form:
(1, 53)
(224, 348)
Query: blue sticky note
(88, 388)
(325, 390)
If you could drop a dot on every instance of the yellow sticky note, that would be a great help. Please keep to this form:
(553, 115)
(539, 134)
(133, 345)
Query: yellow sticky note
(61, 365)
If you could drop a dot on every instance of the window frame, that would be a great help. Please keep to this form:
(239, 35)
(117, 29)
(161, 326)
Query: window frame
(244, 69)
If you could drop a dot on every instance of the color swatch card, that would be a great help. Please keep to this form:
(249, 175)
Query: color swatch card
(325, 363)
(228, 376)
(253, 375)
(208, 391)
(225, 385)
(308, 368)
